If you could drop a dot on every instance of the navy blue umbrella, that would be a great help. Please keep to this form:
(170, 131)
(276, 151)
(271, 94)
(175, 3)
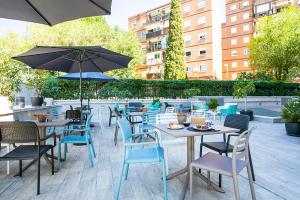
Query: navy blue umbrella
(88, 76)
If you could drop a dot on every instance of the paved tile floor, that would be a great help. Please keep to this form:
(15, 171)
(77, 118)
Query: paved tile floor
(275, 155)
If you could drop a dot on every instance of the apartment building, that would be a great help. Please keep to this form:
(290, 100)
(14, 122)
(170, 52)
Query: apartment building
(236, 34)
(202, 39)
(241, 17)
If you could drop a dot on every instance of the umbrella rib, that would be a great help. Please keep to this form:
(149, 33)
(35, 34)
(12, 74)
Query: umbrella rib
(89, 58)
(38, 12)
(98, 56)
(54, 60)
(101, 7)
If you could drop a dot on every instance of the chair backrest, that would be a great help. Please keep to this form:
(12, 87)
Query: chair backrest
(126, 130)
(237, 121)
(241, 148)
(135, 104)
(88, 121)
(150, 117)
(232, 109)
(71, 107)
(19, 132)
(74, 115)
(166, 118)
(110, 110)
(169, 110)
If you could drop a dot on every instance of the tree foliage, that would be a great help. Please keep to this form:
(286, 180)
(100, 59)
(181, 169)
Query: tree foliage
(81, 32)
(174, 64)
(276, 48)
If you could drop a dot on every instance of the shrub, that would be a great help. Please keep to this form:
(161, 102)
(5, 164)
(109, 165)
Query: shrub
(291, 110)
(213, 104)
(191, 92)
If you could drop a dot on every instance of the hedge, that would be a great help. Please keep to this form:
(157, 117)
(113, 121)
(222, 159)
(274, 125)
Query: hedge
(134, 88)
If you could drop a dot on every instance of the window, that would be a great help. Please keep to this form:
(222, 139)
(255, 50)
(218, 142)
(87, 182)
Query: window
(246, 16)
(246, 51)
(233, 30)
(188, 54)
(234, 41)
(202, 36)
(202, 52)
(234, 76)
(245, 4)
(186, 8)
(233, 19)
(202, 3)
(189, 69)
(234, 64)
(187, 39)
(134, 25)
(234, 53)
(233, 7)
(187, 24)
(157, 56)
(246, 39)
(202, 20)
(246, 64)
(202, 68)
(143, 21)
(143, 35)
(246, 27)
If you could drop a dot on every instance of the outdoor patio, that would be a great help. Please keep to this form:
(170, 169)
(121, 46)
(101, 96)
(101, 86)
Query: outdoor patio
(275, 157)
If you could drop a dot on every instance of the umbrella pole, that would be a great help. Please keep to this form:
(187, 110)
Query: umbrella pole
(80, 86)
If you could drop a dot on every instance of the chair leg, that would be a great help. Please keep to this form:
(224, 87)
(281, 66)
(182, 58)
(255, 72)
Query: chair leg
(220, 177)
(208, 180)
(38, 175)
(126, 171)
(109, 122)
(236, 186)
(165, 179)
(251, 182)
(59, 155)
(191, 182)
(251, 165)
(117, 191)
(65, 151)
(116, 134)
(90, 155)
(166, 153)
(200, 154)
(7, 162)
(52, 161)
(20, 167)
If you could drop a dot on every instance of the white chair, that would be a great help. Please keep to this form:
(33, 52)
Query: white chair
(227, 166)
(165, 143)
(170, 110)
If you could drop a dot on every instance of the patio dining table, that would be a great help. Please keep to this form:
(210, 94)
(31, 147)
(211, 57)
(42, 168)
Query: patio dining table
(190, 135)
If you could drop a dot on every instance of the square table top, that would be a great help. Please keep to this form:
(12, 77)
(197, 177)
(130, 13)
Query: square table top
(54, 123)
(219, 129)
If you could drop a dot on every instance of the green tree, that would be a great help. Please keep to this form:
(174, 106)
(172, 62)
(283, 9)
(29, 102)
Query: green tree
(242, 89)
(91, 31)
(275, 50)
(174, 64)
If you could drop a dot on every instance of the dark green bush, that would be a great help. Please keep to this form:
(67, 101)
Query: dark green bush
(132, 88)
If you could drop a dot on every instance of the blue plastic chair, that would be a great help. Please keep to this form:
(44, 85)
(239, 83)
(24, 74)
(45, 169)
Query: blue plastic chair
(154, 107)
(231, 110)
(78, 139)
(148, 118)
(143, 152)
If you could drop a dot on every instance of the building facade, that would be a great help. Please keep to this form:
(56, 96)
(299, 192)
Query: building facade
(202, 39)
(239, 28)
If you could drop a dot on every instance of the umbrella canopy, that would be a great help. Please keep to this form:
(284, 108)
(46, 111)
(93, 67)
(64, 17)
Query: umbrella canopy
(51, 12)
(74, 59)
(88, 76)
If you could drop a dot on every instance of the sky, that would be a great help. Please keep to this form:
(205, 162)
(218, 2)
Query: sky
(121, 10)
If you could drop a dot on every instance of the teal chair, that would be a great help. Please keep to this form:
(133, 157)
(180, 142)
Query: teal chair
(71, 138)
(231, 110)
(148, 118)
(154, 107)
(135, 153)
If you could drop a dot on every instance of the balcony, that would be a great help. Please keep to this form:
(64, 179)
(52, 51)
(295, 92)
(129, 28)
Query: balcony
(153, 34)
(156, 19)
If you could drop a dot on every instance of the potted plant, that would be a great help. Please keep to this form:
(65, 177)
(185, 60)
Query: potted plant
(241, 90)
(291, 115)
(213, 104)
(36, 81)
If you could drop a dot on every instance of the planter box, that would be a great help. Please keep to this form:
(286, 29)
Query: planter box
(292, 129)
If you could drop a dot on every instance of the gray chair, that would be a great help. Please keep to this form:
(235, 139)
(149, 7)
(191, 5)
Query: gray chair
(227, 166)
(33, 147)
(224, 147)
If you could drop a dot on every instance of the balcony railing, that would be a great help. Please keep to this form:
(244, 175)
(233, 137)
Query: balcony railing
(153, 34)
